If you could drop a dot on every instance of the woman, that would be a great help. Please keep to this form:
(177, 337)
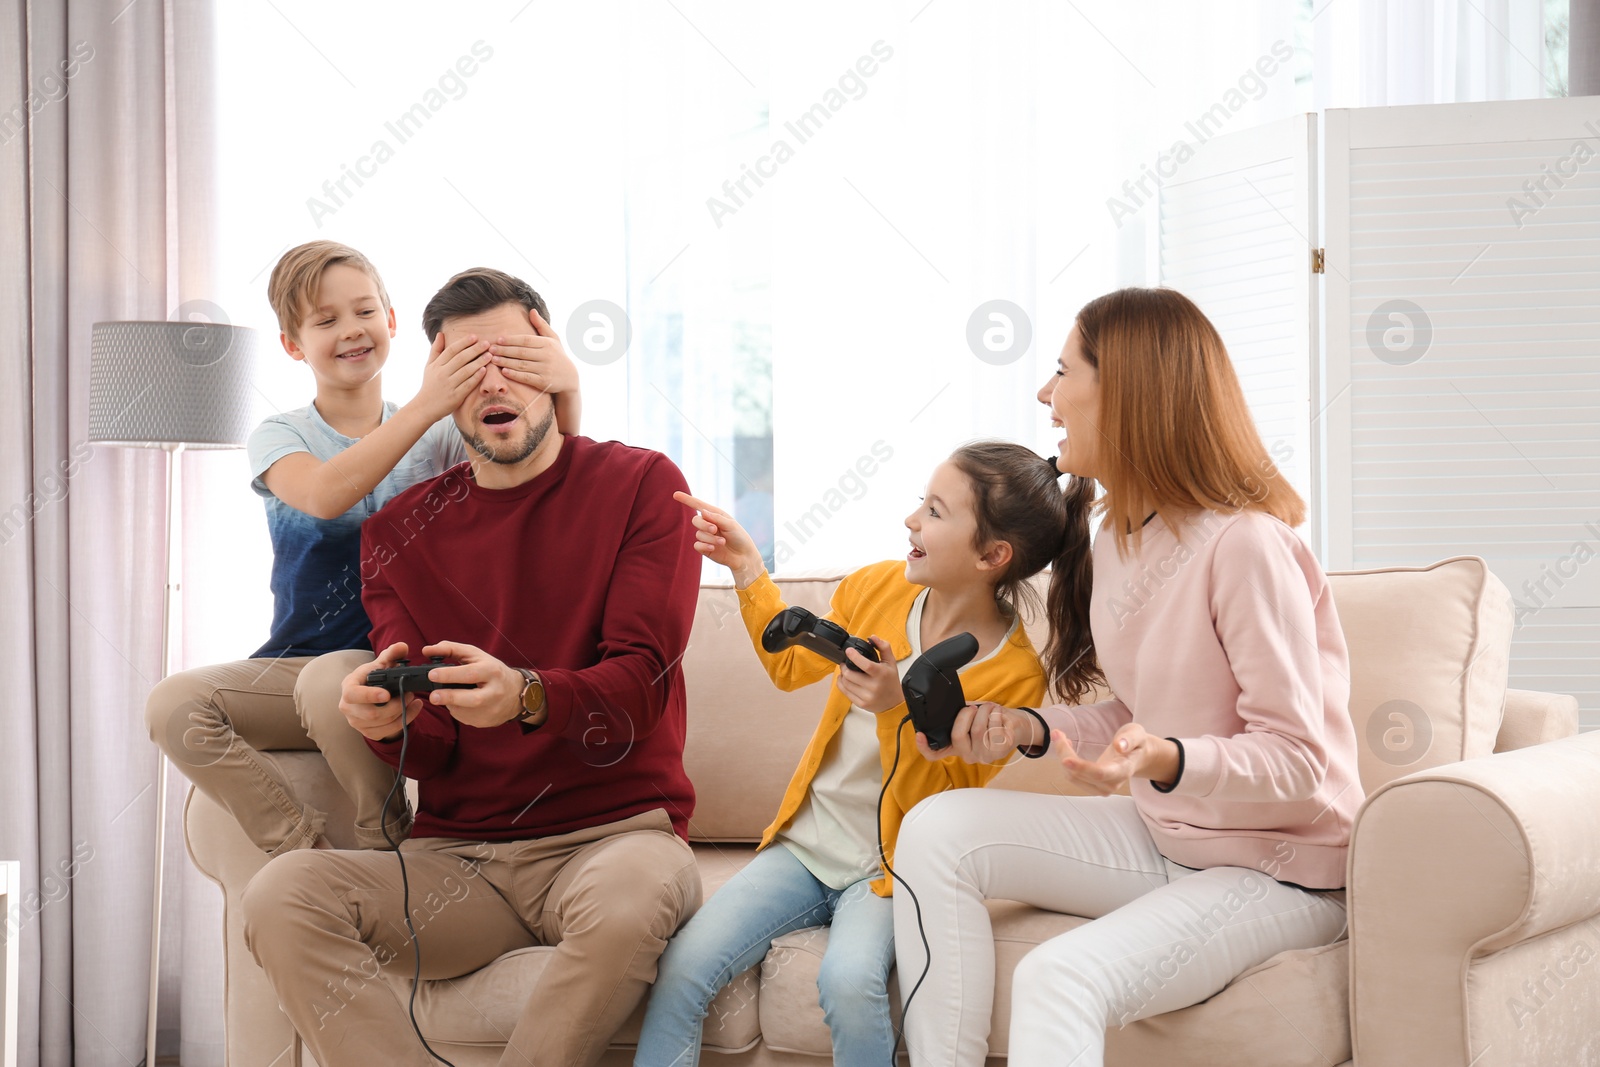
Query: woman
(1217, 634)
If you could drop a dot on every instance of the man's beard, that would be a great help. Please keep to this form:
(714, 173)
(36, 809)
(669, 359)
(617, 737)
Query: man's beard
(510, 454)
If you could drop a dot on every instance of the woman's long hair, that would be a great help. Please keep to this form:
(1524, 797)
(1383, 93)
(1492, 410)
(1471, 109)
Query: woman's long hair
(1175, 432)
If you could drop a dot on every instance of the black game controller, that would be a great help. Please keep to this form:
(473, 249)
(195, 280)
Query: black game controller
(403, 677)
(797, 626)
(933, 690)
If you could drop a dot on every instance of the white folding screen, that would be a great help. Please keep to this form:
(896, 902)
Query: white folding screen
(1463, 358)
(1236, 235)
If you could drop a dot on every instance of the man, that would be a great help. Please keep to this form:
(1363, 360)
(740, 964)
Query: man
(557, 575)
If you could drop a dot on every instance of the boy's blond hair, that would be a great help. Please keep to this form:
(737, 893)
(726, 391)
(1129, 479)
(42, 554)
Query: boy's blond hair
(292, 289)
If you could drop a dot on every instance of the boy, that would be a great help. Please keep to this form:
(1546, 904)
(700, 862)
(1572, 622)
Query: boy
(322, 470)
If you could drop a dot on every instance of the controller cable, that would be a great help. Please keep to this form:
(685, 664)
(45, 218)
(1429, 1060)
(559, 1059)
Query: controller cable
(405, 885)
(927, 953)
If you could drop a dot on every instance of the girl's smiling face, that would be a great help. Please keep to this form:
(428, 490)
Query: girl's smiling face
(942, 529)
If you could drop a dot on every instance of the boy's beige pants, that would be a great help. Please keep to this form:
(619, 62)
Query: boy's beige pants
(322, 924)
(214, 723)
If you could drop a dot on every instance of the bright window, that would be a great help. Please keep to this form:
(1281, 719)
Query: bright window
(806, 213)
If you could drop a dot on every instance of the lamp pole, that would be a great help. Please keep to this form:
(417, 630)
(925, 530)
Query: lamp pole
(172, 603)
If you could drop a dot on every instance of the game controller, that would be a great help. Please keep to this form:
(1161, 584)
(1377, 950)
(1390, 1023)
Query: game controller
(403, 677)
(797, 626)
(933, 690)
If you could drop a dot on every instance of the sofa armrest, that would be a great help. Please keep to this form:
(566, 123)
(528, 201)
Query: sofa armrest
(1450, 869)
(1533, 718)
(258, 1034)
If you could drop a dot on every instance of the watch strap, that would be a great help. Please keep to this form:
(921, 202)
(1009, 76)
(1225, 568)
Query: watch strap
(531, 717)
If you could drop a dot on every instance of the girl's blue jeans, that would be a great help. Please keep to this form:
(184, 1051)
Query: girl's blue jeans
(773, 895)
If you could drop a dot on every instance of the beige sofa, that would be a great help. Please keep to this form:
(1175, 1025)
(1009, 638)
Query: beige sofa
(1475, 877)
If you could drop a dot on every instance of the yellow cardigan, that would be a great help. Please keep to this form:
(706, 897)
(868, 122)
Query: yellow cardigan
(876, 600)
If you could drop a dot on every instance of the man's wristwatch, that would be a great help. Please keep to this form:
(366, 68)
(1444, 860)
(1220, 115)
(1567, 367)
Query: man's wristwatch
(533, 706)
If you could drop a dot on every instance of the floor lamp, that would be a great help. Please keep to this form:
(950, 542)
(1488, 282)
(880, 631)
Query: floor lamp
(173, 386)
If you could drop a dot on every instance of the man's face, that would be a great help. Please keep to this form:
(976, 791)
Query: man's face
(504, 421)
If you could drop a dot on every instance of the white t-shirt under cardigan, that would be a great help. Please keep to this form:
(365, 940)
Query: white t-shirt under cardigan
(835, 832)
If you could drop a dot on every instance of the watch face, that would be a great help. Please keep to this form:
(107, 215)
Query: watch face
(532, 695)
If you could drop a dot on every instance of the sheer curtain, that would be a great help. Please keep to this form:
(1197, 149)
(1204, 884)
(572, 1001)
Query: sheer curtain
(803, 211)
(1005, 153)
(912, 165)
(105, 169)
(1377, 53)
(997, 156)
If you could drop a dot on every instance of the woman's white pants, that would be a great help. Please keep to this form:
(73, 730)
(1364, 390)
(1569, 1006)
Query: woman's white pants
(1162, 937)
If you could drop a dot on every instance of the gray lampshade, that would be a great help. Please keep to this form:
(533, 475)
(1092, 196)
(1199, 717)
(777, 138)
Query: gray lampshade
(189, 383)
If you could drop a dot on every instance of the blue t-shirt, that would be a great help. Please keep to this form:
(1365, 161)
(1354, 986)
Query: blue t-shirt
(316, 563)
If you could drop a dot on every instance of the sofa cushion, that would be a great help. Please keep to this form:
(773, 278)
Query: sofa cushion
(745, 736)
(1291, 1011)
(1441, 701)
(791, 1013)
(482, 1008)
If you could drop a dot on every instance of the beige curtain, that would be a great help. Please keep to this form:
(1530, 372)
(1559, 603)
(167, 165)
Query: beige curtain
(105, 189)
(1583, 49)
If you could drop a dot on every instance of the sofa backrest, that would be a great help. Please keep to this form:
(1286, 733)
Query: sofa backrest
(745, 735)
(1429, 651)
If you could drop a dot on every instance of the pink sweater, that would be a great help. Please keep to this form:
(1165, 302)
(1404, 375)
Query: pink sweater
(1228, 642)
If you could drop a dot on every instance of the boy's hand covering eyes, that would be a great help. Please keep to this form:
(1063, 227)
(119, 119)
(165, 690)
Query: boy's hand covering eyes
(537, 359)
(452, 372)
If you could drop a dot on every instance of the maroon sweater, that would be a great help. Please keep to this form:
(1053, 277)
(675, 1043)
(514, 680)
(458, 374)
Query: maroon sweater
(586, 574)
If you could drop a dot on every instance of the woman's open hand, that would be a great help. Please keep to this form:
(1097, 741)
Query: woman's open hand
(1132, 753)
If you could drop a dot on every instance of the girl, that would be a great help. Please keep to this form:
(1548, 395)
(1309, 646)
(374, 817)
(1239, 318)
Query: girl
(994, 515)
(1229, 725)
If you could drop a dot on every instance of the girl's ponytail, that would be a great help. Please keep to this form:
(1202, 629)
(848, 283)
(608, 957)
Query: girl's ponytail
(1069, 657)
(1019, 500)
